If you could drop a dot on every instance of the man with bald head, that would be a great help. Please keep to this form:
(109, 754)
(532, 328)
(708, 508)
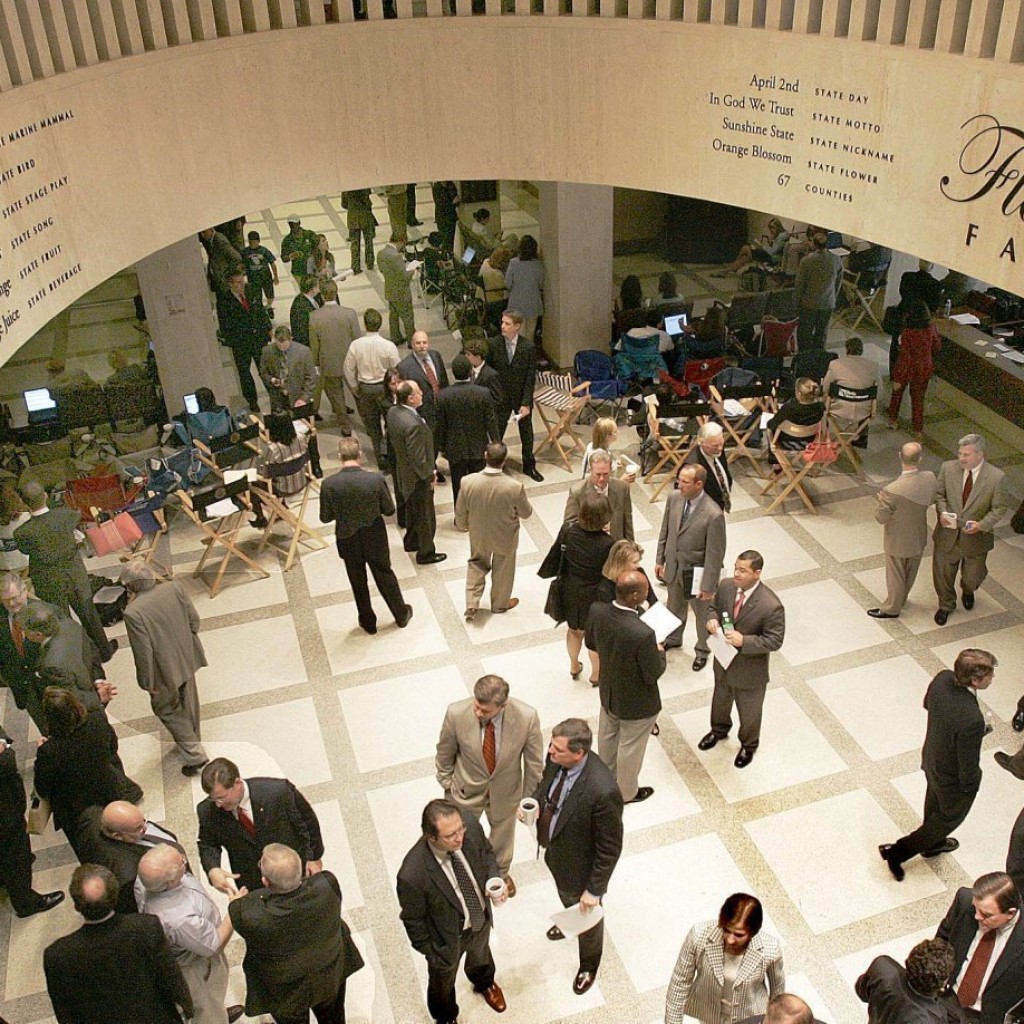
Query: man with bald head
(632, 662)
(117, 968)
(298, 950)
(903, 512)
(785, 1008)
(116, 837)
(194, 928)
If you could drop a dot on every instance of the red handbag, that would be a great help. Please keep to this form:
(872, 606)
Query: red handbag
(822, 450)
(114, 534)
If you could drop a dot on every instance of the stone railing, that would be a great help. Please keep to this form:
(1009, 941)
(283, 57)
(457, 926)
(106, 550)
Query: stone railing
(43, 38)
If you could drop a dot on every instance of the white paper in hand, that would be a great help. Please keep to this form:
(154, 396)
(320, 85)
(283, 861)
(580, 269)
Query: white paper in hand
(722, 650)
(698, 579)
(571, 922)
(661, 620)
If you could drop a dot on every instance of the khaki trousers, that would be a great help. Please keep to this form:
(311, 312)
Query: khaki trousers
(946, 565)
(621, 744)
(503, 576)
(181, 719)
(334, 389)
(207, 980)
(503, 829)
(900, 574)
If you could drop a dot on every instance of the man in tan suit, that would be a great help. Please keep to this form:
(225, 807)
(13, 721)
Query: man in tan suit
(490, 755)
(490, 506)
(972, 498)
(332, 328)
(601, 481)
(903, 511)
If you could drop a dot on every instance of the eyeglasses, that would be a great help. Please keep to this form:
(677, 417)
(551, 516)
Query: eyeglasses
(448, 836)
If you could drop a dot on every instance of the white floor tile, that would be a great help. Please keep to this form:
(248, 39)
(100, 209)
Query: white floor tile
(847, 530)
(338, 853)
(810, 612)
(782, 554)
(277, 664)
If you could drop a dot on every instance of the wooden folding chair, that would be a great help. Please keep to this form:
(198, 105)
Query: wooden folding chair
(220, 521)
(847, 431)
(757, 399)
(673, 429)
(149, 517)
(861, 302)
(560, 403)
(794, 466)
(238, 448)
(277, 510)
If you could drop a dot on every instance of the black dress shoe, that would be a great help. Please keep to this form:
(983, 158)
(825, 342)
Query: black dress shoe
(642, 793)
(877, 613)
(188, 770)
(1018, 722)
(946, 846)
(941, 616)
(583, 982)
(534, 474)
(47, 901)
(440, 478)
(1005, 761)
(403, 621)
(235, 1012)
(709, 741)
(744, 757)
(112, 646)
(368, 627)
(433, 559)
(968, 599)
(414, 223)
(699, 662)
(895, 867)
(554, 933)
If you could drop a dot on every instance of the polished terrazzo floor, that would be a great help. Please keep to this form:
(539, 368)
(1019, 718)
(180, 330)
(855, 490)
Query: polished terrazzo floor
(295, 688)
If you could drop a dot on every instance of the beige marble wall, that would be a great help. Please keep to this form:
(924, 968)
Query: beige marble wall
(156, 146)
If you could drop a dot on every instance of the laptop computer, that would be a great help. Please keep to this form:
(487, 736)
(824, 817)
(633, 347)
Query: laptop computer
(191, 404)
(40, 406)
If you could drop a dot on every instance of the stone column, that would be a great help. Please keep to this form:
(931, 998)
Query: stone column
(183, 325)
(576, 241)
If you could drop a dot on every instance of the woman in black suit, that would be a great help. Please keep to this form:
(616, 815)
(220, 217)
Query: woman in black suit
(587, 543)
(78, 767)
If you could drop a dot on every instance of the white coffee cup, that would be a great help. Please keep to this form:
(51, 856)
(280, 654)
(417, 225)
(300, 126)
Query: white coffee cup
(495, 888)
(529, 807)
(949, 519)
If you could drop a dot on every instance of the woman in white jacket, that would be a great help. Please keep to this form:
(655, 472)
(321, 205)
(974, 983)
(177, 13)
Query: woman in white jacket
(727, 970)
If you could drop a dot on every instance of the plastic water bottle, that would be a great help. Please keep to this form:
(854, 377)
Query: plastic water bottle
(726, 622)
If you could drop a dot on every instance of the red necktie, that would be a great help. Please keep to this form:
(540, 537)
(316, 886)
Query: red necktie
(245, 303)
(970, 986)
(18, 636)
(490, 748)
(736, 608)
(968, 487)
(246, 822)
(428, 369)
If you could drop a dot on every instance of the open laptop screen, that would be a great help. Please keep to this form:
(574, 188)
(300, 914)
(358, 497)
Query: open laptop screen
(191, 404)
(468, 255)
(675, 325)
(39, 400)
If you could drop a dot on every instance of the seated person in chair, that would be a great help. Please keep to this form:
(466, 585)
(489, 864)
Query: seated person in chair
(805, 409)
(125, 371)
(854, 371)
(284, 444)
(668, 290)
(710, 337)
(767, 252)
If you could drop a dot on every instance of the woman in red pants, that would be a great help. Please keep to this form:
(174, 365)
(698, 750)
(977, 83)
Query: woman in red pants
(919, 341)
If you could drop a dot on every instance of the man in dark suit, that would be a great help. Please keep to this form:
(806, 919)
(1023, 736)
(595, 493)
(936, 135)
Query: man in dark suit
(117, 968)
(245, 329)
(752, 620)
(242, 816)
(303, 306)
(446, 909)
(412, 446)
(17, 653)
(15, 849)
(426, 367)
(579, 824)
(971, 498)
(632, 662)
(983, 925)
(477, 351)
(466, 423)
(55, 567)
(950, 758)
(600, 481)
(709, 453)
(117, 837)
(1015, 854)
(515, 362)
(356, 501)
(692, 537)
(910, 995)
(299, 953)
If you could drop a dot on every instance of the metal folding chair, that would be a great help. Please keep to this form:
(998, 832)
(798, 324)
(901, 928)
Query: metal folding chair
(277, 510)
(672, 429)
(560, 403)
(220, 520)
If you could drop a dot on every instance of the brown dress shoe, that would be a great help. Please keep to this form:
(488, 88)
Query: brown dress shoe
(494, 998)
